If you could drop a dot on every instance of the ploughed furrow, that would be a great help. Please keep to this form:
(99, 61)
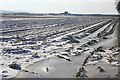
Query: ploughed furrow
(91, 39)
(77, 31)
(108, 30)
(95, 28)
(44, 33)
(98, 25)
(75, 28)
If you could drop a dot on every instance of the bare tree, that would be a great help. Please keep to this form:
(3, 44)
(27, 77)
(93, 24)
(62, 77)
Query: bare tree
(118, 9)
(118, 6)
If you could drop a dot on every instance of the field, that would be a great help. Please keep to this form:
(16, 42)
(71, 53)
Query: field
(59, 47)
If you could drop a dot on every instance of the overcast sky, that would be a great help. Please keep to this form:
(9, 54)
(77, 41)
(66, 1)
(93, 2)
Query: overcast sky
(58, 6)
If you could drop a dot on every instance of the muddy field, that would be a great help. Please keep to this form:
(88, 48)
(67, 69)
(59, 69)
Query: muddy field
(59, 47)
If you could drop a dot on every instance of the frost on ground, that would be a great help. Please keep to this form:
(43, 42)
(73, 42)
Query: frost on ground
(58, 47)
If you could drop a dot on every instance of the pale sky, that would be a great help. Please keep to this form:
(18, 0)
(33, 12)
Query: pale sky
(58, 6)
